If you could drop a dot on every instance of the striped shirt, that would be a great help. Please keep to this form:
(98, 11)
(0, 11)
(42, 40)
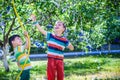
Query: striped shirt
(56, 45)
(21, 58)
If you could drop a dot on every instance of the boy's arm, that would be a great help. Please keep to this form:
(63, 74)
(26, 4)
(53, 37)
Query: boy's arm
(41, 29)
(70, 46)
(27, 41)
(37, 25)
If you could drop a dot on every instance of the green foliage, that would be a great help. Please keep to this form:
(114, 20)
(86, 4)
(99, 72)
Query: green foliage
(85, 66)
(98, 20)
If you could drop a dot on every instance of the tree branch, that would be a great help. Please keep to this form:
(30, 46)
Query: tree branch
(16, 28)
(1, 43)
(11, 27)
(19, 26)
(7, 34)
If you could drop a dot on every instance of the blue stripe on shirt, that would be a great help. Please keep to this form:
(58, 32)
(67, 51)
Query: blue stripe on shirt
(58, 42)
(49, 47)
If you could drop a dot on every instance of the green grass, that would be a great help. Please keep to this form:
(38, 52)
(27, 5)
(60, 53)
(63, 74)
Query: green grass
(80, 68)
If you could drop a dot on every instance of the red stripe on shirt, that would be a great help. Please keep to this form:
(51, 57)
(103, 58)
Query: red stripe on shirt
(55, 46)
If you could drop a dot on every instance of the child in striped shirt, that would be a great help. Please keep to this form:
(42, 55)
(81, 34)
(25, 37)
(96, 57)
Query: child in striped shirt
(20, 55)
(56, 43)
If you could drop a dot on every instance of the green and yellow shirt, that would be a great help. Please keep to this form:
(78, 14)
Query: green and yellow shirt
(21, 58)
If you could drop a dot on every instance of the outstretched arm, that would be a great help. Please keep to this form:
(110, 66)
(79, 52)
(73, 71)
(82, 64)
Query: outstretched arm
(27, 41)
(70, 46)
(37, 25)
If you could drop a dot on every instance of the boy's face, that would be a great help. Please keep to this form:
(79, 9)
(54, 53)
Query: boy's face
(59, 27)
(17, 41)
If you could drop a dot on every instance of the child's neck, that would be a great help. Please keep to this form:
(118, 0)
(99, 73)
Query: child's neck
(58, 34)
(14, 46)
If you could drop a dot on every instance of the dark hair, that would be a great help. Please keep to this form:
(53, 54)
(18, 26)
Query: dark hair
(64, 26)
(12, 39)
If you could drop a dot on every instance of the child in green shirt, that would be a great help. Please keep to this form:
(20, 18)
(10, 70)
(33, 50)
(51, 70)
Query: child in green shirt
(21, 57)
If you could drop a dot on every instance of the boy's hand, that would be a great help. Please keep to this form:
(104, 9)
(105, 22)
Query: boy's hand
(26, 33)
(33, 17)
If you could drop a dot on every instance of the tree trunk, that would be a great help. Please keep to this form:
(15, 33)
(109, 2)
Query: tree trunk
(4, 59)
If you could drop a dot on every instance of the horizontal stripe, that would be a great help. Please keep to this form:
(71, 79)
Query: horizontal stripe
(23, 62)
(17, 54)
(55, 56)
(49, 47)
(22, 59)
(18, 51)
(53, 37)
(21, 56)
(24, 66)
(55, 43)
(63, 39)
(28, 67)
(55, 46)
(55, 51)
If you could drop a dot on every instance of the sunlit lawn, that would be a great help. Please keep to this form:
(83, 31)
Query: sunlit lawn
(80, 68)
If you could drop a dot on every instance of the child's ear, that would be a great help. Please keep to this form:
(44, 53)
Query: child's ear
(64, 30)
